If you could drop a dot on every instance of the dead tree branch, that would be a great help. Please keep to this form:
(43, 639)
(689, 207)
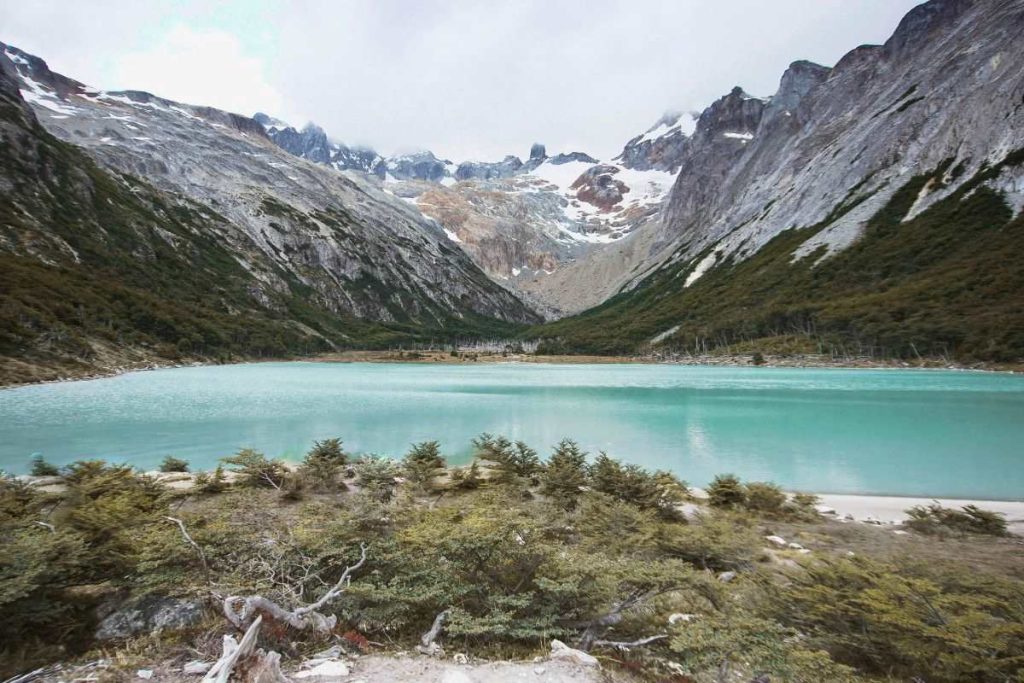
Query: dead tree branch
(234, 650)
(622, 645)
(191, 541)
(300, 618)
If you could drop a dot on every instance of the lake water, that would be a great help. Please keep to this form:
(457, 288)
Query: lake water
(931, 433)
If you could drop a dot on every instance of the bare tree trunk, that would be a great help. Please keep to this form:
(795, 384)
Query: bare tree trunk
(234, 650)
(427, 645)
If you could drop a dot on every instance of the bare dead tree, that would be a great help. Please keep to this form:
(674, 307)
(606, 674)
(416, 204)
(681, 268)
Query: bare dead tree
(242, 658)
(616, 614)
(240, 609)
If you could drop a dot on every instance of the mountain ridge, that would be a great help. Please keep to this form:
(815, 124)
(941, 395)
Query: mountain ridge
(801, 186)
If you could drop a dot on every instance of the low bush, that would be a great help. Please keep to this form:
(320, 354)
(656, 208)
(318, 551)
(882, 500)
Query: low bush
(172, 464)
(970, 519)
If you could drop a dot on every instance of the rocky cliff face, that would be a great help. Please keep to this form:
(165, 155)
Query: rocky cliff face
(661, 146)
(945, 86)
(806, 183)
(313, 144)
(296, 231)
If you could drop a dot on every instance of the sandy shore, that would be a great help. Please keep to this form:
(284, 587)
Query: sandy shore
(890, 509)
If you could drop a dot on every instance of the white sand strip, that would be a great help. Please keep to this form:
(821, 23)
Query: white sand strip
(891, 509)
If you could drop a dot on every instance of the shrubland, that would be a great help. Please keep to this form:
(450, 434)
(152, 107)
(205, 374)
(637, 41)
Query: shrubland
(504, 554)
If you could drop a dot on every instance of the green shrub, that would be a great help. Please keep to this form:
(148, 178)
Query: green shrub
(726, 491)
(377, 476)
(41, 468)
(256, 470)
(565, 474)
(764, 497)
(207, 482)
(172, 464)
(466, 478)
(423, 464)
(510, 462)
(970, 519)
(322, 465)
(903, 620)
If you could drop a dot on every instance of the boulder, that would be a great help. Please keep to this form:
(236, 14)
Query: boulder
(776, 540)
(726, 577)
(561, 651)
(324, 670)
(151, 614)
(196, 668)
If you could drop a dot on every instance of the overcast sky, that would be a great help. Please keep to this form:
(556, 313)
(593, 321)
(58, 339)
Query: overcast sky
(473, 79)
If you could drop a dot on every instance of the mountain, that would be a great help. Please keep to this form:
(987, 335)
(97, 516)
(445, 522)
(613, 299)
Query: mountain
(312, 143)
(872, 207)
(519, 222)
(137, 228)
(661, 146)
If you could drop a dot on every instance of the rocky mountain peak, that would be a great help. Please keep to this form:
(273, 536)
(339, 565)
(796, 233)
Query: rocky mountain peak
(478, 170)
(568, 157)
(661, 146)
(734, 116)
(538, 151)
(419, 166)
(798, 80)
(922, 20)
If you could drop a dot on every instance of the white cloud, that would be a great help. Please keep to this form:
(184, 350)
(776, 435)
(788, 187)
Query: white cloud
(200, 66)
(465, 78)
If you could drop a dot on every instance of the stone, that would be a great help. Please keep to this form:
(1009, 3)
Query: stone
(196, 667)
(776, 540)
(795, 546)
(325, 670)
(678, 617)
(150, 615)
(824, 510)
(145, 674)
(460, 658)
(726, 577)
(561, 651)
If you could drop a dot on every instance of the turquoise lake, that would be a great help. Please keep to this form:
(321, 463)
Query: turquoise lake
(931, 433)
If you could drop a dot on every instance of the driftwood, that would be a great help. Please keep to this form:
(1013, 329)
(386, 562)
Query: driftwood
(239, 609)
(234, 650)
(624, 645)
(427, 645)
(243, 659)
